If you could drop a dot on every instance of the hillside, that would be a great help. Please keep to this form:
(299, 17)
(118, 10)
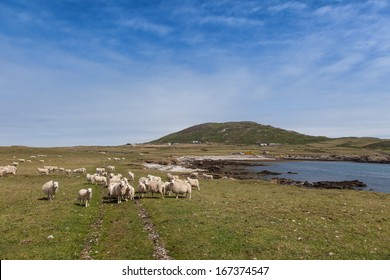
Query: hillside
(238, 133)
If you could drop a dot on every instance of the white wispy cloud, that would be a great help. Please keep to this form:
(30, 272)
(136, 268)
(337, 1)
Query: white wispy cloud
(143, 24)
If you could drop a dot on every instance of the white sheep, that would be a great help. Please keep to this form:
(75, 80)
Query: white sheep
(10, 169)
(43, 171)
(194, 183)
(110, 168)
(207, 176)
(129, 191)
(90, 178)
(100, 180)
(155, 186)
(50, 188)
(117, 190)
(100, 171)
(142, 186)
(178, 186)
(85, 196)
(80, 170)
(171, 177)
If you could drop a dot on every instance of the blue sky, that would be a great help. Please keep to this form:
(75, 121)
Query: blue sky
(82, 72)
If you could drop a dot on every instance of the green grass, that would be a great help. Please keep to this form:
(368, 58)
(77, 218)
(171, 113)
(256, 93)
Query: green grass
(246, 219)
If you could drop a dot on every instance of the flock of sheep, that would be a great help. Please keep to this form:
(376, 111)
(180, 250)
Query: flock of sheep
(118, 186)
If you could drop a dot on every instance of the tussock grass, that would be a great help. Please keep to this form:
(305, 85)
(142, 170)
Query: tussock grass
(248, 219)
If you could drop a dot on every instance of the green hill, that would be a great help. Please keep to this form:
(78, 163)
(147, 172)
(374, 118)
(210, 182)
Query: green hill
(238, 133)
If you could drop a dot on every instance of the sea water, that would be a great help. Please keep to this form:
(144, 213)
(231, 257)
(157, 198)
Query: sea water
(375, 175)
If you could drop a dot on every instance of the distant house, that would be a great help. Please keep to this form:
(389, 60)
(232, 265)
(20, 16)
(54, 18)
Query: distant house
(196, 142)
(263, 144)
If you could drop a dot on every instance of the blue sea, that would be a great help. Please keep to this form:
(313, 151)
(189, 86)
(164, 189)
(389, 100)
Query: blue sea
(376, 176)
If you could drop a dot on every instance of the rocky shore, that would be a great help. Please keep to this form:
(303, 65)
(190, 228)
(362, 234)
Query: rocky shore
(352, 184)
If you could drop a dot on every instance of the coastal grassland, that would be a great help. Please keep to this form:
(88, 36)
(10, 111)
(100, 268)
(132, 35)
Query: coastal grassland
(260, 220)
(226, 219)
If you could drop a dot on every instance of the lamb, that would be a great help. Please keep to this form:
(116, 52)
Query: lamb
(194, 183)
(85, 196)
(43, 171)
(50, 188)
(179, 186)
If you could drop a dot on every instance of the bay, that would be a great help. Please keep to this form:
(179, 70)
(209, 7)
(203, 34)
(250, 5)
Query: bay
(376, 176)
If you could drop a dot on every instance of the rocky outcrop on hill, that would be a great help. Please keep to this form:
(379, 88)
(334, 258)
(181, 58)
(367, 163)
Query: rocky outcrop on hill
(379, 158)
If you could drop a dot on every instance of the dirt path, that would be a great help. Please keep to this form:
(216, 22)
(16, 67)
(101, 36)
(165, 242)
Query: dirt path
(160, 252)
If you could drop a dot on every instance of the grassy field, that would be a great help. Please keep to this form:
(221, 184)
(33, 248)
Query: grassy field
(226, 219)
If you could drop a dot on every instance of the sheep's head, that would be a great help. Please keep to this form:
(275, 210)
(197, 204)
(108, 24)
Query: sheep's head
(55, 186)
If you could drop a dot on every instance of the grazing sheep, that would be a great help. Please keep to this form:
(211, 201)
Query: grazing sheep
(43, 171)
(178, 186)
(100, 180)
(207, 176)
(194, 175)
(68, 171)
(194, 183)
(50, 188)
(85, 196)
(80, 170)
(9, 169)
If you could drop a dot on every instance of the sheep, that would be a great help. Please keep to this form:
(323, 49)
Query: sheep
(85, 196)
(2, 172)
(101, 180)
(90, 178)
(142, 186)
(178, 186)
(68, 171)
(100, 171)
(114, 178)
(43, 171)
(129, 191)
(110, 168)
(80, 170)
(194, 183)
(10, 169)
(209, 177)
(117, 189)
(155, 178)
(50, 188)
(131, 175)
(155, 186)
(171, 177)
